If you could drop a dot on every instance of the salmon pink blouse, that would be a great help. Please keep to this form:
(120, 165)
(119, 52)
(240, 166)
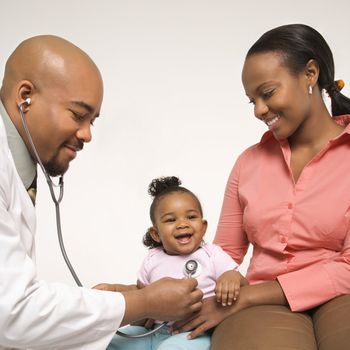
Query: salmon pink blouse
(299, 231)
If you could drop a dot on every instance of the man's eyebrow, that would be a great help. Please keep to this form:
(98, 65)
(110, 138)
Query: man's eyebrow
(84, 105)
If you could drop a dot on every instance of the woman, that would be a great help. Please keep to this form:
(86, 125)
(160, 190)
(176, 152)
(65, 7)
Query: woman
(289, 196)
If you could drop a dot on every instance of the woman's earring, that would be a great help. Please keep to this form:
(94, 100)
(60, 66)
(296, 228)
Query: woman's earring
(310, 90)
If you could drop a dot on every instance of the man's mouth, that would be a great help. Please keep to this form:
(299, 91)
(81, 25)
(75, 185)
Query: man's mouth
(73, 148)
(76, 147)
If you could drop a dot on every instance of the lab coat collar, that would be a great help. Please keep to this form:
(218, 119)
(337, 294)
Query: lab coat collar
(24, 163)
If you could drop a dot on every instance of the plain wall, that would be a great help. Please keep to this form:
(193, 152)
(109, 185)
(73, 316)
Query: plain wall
(174, 105)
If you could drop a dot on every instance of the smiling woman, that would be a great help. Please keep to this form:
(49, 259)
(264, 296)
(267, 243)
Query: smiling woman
(288, 196)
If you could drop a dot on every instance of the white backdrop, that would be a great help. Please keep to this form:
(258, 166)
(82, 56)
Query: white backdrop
(174, 105)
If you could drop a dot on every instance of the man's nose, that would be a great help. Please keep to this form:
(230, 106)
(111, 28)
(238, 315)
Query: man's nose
(84, 133)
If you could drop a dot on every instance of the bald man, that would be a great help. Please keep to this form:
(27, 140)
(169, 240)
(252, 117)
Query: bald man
(60, 90)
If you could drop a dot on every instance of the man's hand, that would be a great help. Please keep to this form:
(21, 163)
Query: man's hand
(115, 287)
(167, 299)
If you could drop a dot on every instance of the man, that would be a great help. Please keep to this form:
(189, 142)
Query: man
(65, 91)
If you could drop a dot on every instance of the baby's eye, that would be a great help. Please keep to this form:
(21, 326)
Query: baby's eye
(252, 101)
(169, 220)
(191, 217)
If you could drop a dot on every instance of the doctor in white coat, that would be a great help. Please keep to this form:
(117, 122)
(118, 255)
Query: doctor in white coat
(65, 88)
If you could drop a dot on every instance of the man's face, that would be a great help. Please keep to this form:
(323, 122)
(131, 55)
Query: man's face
(61, 115)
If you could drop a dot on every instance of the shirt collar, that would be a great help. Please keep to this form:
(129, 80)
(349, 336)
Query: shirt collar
(24, 163)
(343, 120)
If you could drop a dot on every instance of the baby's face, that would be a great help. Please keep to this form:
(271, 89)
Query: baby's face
(179, 223)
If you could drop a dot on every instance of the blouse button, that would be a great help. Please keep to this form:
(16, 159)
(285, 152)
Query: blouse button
(283, 239)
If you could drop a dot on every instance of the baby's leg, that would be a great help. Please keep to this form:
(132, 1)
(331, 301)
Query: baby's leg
(121, 343)
(180, 342)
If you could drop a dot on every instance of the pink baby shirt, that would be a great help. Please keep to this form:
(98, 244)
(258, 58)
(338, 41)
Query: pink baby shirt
(212, 260)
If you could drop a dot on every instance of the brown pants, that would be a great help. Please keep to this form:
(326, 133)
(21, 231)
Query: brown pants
(270, 327)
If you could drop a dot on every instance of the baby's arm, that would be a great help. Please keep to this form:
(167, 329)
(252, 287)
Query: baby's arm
(227, 287)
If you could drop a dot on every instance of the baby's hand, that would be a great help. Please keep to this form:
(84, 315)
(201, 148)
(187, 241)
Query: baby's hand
(228, 286)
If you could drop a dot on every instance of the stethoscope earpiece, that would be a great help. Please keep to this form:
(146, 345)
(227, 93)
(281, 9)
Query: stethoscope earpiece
(27, 101)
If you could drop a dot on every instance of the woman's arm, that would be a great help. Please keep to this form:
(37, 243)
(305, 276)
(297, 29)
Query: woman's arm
(212, 313)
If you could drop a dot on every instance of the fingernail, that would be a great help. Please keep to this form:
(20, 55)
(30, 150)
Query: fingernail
(189, 337)
(175, 332)
(229, 303)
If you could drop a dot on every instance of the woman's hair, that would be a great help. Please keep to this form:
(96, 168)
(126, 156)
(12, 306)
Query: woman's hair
(159, 188)
(297, 44)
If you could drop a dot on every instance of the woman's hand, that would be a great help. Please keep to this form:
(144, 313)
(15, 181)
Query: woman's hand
(211, 314)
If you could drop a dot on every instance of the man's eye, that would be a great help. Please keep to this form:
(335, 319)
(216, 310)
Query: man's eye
(77, 116)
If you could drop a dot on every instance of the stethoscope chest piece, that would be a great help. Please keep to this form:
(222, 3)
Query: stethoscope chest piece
(192, 268)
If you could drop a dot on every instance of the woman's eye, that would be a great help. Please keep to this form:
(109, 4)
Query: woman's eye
(268, 94)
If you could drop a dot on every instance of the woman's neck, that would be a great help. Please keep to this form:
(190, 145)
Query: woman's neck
(316, 131)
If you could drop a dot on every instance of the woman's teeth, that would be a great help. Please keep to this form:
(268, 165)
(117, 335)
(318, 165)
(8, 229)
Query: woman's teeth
(272, 121)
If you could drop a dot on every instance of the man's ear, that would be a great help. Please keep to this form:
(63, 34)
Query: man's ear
(312, 71)
(24, 90)
(154, 234)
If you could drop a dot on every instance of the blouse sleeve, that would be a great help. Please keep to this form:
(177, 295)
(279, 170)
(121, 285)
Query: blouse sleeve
(318, 283)
(230, 235)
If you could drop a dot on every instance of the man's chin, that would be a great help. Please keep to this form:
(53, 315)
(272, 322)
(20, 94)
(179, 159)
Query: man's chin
(55, 169)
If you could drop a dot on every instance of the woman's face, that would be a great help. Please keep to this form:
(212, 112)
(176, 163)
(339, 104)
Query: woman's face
(281, 100)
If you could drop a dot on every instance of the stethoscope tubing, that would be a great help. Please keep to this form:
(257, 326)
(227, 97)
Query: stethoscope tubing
(57, 202)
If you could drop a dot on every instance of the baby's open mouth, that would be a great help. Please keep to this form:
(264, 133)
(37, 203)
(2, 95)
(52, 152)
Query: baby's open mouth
(184, 238)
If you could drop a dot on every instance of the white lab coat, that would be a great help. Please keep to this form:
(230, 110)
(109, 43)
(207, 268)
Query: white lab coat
(33, 313)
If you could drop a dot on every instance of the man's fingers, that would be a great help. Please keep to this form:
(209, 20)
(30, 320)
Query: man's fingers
(149, 323)
(196, 307)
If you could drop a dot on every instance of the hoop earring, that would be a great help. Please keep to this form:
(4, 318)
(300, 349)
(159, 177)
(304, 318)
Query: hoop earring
(310, 90)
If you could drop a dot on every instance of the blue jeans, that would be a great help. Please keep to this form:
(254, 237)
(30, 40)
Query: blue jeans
(161, 340)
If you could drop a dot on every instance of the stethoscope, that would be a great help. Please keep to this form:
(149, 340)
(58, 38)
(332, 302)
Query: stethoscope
(190, 268)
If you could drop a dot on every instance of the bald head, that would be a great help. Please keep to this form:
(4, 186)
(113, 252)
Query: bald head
(44, 60)
(66, 91)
